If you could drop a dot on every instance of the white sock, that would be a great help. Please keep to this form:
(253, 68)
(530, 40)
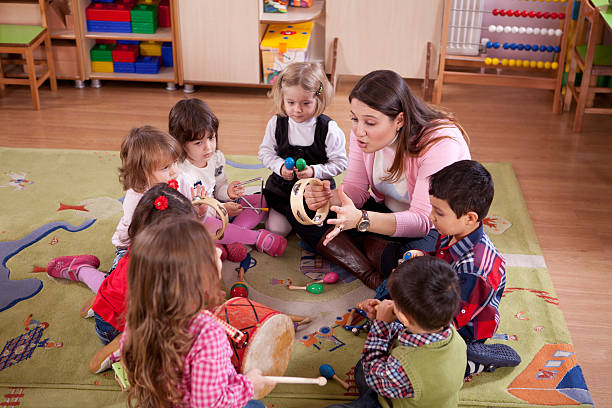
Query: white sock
(277, 223)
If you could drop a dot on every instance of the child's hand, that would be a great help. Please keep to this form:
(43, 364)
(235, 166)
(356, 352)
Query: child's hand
(234, 190)
(199, 192)
(287, 174)
(258, 380)
(233, 209)
(385, 312)
(410, 254)
(308, 172)
(369, 306)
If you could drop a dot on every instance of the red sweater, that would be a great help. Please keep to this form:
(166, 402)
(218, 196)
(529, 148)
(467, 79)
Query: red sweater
(111, 300)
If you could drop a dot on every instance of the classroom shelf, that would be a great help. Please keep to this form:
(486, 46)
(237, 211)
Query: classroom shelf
(165, 74)
(294, 14)
(162, 34)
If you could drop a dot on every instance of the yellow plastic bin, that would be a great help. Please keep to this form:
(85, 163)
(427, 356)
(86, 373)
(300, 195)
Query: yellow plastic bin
(283, 44)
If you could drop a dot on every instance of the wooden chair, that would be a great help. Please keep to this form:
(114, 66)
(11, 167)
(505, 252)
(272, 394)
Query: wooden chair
(23, 40)
(592, 59)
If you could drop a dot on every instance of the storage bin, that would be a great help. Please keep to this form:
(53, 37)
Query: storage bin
(283, 44)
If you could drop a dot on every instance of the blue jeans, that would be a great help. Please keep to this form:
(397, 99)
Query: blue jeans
(255, 404)
(105, 331)
(368, 397)
(119, 252)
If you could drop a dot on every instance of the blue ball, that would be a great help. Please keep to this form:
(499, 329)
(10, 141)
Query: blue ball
(513, 46)
(520, 47)
(489, 44)
(542, 48)
(495, 44)
(506, 46)
(550, 48)
(289, 163)
(557, 49)
(527, 47)
(534, 47)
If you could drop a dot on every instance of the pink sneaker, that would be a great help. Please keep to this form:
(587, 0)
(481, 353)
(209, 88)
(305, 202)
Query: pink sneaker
(270, 243)
(66, 267)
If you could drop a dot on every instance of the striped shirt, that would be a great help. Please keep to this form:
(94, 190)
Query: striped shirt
(383, 372)
(482, 276)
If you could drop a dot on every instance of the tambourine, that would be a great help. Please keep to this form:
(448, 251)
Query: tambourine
(297, 203)
(219, 209)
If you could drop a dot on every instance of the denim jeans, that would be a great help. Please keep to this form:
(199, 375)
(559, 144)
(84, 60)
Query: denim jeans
(105, 331)
(255, 404)
(119, 252)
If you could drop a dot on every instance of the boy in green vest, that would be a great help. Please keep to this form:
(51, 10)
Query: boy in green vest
(413, 356)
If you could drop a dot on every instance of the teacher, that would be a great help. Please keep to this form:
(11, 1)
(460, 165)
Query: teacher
(382, 207)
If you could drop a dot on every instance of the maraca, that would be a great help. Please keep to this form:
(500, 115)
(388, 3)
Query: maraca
(289, 163)
(328, 372)
(315, 288)
(300, 164)
(330, 277)
(239, 289)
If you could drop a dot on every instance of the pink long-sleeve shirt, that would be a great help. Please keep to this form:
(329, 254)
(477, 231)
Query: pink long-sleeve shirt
(414, 222)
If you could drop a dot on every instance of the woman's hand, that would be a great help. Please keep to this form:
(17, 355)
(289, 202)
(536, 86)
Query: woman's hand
(317, 196)
(308, 172)
(348, 216)
(233, 209)
(235, 190)
(385, 311)
(287, 174)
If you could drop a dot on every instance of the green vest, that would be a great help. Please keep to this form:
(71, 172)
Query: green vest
(435, 371)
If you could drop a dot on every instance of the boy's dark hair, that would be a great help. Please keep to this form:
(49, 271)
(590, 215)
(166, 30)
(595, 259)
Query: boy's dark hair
(190, 119)
(427, 289)
(147, 214)
(466, 186)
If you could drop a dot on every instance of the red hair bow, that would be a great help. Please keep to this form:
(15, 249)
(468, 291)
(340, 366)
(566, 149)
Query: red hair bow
(173, 184)
(161, 203)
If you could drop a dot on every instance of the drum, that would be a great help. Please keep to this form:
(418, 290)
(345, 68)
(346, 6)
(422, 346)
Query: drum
(268, 338)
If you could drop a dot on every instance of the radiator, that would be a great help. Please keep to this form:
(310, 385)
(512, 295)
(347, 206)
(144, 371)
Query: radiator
(464, 27)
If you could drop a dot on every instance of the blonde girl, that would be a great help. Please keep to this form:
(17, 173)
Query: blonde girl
(174, 353)
(299, 130)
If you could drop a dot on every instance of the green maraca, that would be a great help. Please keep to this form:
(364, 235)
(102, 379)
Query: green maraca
(300, 164)
(315, 288)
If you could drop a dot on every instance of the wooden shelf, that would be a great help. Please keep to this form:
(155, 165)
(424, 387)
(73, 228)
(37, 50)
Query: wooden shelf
(63, 35)
(162, 34)
(293, 14)
(165, 74)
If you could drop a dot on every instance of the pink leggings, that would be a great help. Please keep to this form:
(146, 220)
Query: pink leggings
(241, 228)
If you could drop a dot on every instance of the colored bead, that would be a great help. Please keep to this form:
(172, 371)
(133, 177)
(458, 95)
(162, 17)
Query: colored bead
(489, 44)
(547, 65)
(554, 65)
(511, 62)
(495, 11)
(557, 48)
(542, 48)
(540, 64)
(488, 61)
(495, 61)
(515, 29)
(532, 14)
(520, 47)
(517, 13)
(553, 15)
(534, 47)
(551, 31)
(539, 14)
(506, 46)
(529, 30)
(561, 16)
(536, 31)
(496, 45)
(558, 32)
(527, 47)
(549, 48)
(524, 13)
(502, 12)
(492, 28)
(546, 14)
(504, 62)
(522, 30)
(533, 64)
(500, 29)
(513, 46)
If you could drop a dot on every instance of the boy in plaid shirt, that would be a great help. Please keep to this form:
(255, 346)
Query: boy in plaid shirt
(412, 356)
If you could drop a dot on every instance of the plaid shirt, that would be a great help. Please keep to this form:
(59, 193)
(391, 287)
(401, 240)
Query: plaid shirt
(383, 372)
(209, 378)
(482, 276)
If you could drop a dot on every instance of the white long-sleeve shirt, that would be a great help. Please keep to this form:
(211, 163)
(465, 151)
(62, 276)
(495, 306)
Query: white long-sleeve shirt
(302, 134)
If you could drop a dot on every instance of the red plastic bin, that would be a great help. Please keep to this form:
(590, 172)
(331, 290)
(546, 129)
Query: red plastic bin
(125, 53)
(109, 11)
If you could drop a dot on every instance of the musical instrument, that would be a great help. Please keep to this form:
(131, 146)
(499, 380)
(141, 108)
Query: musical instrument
(219, 209)
(297, 203)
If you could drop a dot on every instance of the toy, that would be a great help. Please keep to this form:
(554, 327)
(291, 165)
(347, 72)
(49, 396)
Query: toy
(314, 288)
(356, 328)
(275, 6)
(283, 44)
(296, 199)
(328, 372)
(239, 289)
(289, 163)
(300, 164)
(330, 277)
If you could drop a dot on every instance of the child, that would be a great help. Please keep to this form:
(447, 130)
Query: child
(461, 195)
(420, 360)
(148, 156)
(193, 124)
(158, 203)
(299, 130)
(173, 352)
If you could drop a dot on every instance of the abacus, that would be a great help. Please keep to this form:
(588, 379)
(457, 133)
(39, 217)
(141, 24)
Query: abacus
(482, 54)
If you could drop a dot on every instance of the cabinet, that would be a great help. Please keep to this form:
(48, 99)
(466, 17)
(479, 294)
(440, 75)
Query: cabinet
(66, 40)
(375, 36)
(170, 75)
(220, 39)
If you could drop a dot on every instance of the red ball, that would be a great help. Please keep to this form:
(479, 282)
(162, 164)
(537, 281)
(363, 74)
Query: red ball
(539, 14)
(495, 12)
(561, 16)
(239, 291)
(532, 14)
(502, 12)
(546, 14)
(524, 13)
(553, 15)
(517, 13)
(236, 252)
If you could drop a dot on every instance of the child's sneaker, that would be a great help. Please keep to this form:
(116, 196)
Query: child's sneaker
(236, 252)
(493, 355)
(223, 252)
(270, 243)
(67, 267)
(106, 356)
(86, 310)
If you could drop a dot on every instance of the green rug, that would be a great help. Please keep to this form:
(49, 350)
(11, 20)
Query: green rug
(61, 202)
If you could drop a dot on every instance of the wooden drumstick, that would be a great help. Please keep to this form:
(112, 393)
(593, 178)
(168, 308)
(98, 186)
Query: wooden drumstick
(321, 381)
(299, 320)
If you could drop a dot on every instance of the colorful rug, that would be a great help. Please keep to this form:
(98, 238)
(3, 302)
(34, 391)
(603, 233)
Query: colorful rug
(60, 202)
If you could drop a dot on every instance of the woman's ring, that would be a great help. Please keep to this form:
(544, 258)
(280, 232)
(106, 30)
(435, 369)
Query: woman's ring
(339, 227)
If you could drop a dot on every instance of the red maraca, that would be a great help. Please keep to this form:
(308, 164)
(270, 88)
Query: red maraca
(330, 277)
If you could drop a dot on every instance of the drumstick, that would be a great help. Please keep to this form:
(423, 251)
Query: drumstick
(328, 372)
(256, 208)
(297, 380)
(230, 330)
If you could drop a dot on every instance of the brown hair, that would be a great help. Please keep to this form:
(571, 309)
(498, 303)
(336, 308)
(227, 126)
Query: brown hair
(142, 151)
(388, 93)
(427, 289)
(310, 77)
(191, 119)
(147, 214)
(171, 278)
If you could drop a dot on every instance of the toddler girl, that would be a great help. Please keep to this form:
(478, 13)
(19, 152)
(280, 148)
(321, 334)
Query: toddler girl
(174, 353)
(299, 130)
(195, 127)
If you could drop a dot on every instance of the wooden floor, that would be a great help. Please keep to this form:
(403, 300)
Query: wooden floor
(566, 177)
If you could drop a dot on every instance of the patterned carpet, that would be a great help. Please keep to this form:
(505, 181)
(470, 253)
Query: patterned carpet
(59, 202)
